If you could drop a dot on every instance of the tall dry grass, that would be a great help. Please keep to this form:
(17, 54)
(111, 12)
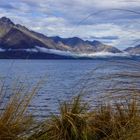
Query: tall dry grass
(69, 125)
(117, 121)
(15, 121)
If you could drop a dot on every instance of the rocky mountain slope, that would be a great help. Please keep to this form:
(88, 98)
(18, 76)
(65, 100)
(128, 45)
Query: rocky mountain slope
(133, 50)
(17, 38)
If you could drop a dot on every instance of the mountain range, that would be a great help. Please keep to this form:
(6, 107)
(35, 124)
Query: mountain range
(133, 50)
(17, 41)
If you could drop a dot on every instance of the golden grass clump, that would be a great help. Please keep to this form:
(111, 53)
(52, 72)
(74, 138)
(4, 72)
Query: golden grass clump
(69, 125)
(116, 121)
(15, 120)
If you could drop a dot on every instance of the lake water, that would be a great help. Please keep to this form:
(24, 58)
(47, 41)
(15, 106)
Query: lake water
(67, 78)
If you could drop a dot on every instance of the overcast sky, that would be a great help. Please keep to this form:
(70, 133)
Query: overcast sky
(110, 21)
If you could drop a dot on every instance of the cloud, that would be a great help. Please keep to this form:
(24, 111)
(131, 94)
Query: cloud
(111, 21)
(7, 6)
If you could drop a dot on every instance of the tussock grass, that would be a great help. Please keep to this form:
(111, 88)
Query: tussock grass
(117, 121)
(69, 125)
(15, 120)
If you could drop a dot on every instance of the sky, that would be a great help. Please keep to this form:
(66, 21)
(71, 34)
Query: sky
(114, 22)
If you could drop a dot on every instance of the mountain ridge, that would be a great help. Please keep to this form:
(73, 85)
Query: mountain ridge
(16, 37)
(133, 50)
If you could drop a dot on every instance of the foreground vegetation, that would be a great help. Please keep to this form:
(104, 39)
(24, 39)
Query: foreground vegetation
(115, 116)
(116, 119)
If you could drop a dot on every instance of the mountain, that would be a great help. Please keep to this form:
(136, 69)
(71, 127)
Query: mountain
(5, 26)
(16, 39)
(80, 46)
(133, 50)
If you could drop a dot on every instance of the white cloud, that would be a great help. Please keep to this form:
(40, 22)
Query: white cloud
(64, 18)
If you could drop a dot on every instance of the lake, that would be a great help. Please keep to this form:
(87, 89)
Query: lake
(64, 79)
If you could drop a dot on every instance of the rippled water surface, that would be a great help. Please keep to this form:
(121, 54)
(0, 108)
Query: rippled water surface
(66, 78)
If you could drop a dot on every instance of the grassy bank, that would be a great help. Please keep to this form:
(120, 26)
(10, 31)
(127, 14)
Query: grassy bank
(120, 121)
(115, 118)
